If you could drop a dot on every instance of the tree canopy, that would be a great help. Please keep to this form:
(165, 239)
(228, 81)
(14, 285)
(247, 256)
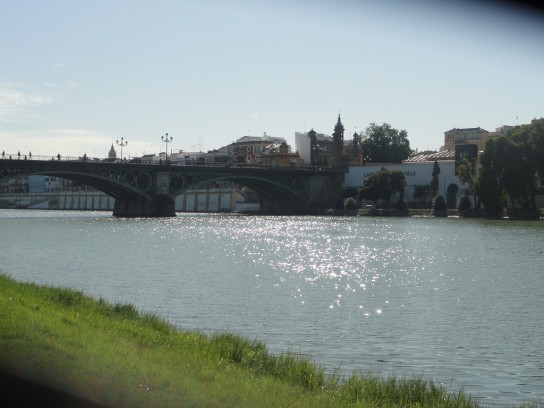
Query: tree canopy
(385, 144)
(488, 185)
(381, 185)
(511, 168)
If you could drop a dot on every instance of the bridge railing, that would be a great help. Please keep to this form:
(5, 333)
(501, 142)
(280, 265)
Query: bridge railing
(23, 157)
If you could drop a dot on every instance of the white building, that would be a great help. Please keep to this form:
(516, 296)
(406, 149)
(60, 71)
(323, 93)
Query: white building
(44, 184)
(417, 173)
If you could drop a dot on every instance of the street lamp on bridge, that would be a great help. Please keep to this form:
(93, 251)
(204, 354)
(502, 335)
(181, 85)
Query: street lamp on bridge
(123, 143)
(165, 139)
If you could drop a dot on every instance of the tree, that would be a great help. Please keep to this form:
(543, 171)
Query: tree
(513, 165)
(464, 173)
(510, 168)
(529, 140)
(381, 185)
(536, 142)
(385, 144)
(440, 207)
(434, 180)
(489, 184)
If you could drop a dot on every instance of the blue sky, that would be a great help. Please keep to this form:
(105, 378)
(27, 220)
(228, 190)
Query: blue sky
(77, 75)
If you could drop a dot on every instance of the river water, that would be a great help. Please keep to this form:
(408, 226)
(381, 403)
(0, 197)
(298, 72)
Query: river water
(458, 301)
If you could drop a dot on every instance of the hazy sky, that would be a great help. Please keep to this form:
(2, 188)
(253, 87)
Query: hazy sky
(76, 75)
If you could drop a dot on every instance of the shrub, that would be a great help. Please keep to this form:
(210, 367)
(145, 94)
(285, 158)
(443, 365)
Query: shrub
(350, 203)
(439, 203)
(401, 205)
(464, 203)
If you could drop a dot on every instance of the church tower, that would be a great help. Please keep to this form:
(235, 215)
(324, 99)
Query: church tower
(338, 141)
(112, 155)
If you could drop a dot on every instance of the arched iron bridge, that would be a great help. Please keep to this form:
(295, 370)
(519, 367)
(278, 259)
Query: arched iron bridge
(149, 190)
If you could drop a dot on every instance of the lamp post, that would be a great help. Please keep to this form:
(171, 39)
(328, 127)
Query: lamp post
(165, 139)
(122, 143)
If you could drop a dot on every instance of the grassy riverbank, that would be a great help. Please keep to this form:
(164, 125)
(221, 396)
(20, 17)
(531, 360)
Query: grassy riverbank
(111, 354)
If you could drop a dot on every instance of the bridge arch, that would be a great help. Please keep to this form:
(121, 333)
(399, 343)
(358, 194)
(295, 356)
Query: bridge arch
(285, 187)
(113, 184)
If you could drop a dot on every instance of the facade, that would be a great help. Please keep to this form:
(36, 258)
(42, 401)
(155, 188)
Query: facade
(248, 149)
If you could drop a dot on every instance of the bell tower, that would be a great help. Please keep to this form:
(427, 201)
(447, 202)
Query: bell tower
(338, 141)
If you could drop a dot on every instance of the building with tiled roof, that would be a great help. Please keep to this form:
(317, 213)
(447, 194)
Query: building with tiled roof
(442, 155)
(248, 149)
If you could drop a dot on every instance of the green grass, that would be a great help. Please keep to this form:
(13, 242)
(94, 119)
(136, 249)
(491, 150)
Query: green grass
(111, 353)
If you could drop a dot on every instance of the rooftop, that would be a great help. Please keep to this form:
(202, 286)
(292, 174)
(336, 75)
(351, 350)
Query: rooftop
(444, 155)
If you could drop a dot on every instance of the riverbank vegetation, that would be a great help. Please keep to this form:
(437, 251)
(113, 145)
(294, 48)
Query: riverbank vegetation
(114, 355)
(503, 181)
(512, 169)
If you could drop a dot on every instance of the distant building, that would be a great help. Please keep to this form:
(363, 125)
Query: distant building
(279, 156)
(320, 150)
(46, 184)
(248, 149)
(418, 172)
(320, 142)
(354, 151)
(216, 157)
(475, 136)
(149, 159)
(112, 155)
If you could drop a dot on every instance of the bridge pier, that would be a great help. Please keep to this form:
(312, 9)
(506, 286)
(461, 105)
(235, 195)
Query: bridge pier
(161, 206)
